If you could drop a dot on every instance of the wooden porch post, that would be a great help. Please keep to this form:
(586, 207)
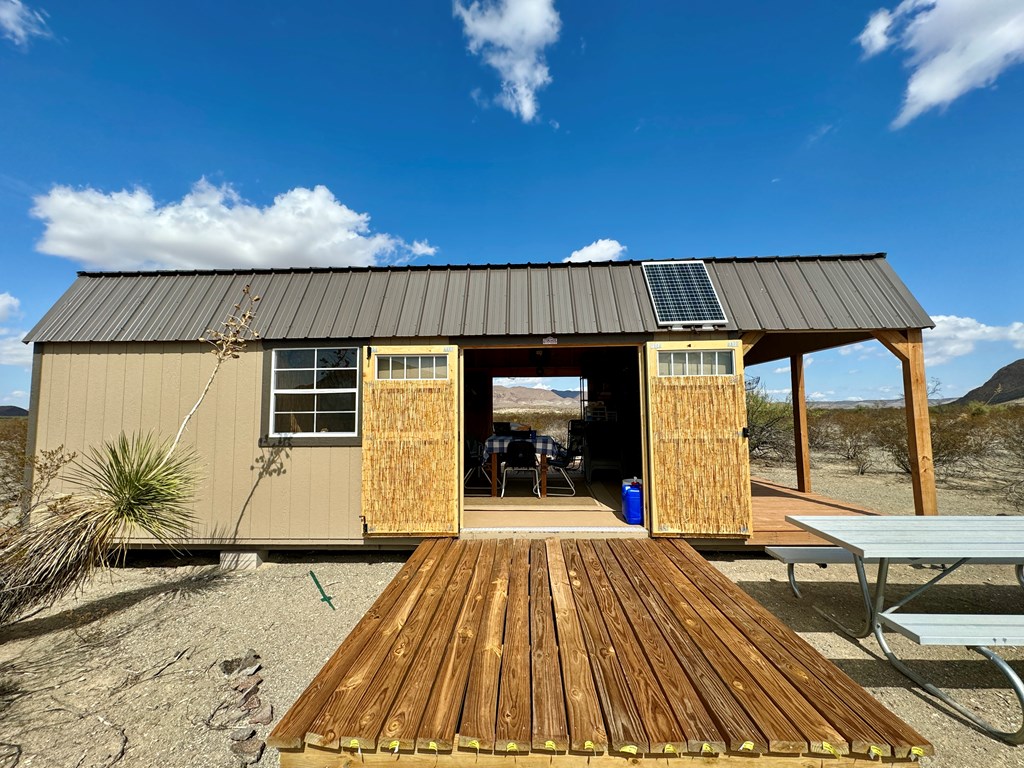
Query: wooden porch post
(803, 454)
(907, 346)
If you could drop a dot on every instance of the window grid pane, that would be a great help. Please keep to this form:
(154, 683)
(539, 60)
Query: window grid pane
(412, 367)
(315, 391)
(703, 363)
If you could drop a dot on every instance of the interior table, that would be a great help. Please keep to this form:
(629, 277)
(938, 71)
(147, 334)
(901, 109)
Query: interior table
(545, 445)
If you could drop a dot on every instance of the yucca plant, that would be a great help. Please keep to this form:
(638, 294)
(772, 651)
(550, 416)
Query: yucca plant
(128, 486)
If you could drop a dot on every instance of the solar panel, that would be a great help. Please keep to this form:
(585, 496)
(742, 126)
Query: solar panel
(682, 293)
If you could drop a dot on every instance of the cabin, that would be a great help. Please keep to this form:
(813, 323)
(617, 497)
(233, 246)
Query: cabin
(346, 424)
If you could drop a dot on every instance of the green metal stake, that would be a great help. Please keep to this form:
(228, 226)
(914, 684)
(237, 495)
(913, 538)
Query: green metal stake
(324, 597)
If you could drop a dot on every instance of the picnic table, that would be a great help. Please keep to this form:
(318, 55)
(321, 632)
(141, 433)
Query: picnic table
(952, 541)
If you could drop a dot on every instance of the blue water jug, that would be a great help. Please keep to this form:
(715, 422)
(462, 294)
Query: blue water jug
(633, 502)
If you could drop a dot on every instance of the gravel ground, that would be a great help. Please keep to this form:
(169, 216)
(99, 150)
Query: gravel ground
(129, 671)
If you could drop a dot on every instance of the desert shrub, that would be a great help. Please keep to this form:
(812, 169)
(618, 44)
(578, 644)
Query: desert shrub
(961, 439)
(13, 433)
(769, 422)
(127, 486)
(822, 428)
(1008, 431)
(544, 421)
(854, 437)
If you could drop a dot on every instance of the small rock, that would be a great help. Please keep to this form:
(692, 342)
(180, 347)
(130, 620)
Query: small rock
(246, 682)
(241, 734)
(231, 666)
(251, 750)
(251, 704)
(264, 715)
(247, 694)
(250, 670)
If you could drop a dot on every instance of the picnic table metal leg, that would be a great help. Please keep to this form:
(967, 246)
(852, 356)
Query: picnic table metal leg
(865, 591)
(791, 573)
(1010, 737)
(1020, 574)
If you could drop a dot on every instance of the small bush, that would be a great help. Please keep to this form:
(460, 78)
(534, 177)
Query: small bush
(854, 437)
(770, 424)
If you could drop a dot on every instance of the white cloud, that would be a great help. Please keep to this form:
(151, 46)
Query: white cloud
(211, 226)
(9, 306)
(511, 36)
(16, 397)
(952, 47)
(851, 348)
(20, 23)
(955, 336)
(782, 369)
(422, 248)
(12, 350)
(599, 250)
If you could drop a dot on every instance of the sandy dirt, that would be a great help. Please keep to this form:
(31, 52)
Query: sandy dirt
(128, 673)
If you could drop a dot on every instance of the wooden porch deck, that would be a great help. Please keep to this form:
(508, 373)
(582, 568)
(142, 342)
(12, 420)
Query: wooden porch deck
(572, 652)
(771, 503)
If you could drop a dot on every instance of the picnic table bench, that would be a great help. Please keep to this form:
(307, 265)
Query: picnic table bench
(950, 541)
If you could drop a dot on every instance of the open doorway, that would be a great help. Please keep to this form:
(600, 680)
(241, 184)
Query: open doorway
(581, 408)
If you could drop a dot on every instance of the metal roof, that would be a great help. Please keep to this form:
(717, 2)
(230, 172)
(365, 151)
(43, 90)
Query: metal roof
(789, 293)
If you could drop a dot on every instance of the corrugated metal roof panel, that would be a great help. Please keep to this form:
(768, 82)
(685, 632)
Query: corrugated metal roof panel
(779, 293)
(541, 321)
(456, 302)
(518, 301)
(496, 322)
(433, 303)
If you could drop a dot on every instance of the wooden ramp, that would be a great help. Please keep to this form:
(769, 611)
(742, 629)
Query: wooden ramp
(772, 502)
(579, 652)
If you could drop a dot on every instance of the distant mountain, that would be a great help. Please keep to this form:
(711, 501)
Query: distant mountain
(511, 398)
(7, 411)
(1005, 385)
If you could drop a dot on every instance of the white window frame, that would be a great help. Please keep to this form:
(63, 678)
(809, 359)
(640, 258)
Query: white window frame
(275, 391)
(699, 354)
(404, 377)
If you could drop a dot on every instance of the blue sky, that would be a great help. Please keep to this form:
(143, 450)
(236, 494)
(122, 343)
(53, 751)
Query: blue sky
(267, 134)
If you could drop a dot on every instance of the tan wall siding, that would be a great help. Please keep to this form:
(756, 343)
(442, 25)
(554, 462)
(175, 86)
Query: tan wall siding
(248, 495)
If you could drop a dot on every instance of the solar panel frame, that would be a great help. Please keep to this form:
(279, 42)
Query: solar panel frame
(683, 296)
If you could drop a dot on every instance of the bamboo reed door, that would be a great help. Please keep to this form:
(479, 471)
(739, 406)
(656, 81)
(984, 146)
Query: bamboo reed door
(699, 468)
(411, 448)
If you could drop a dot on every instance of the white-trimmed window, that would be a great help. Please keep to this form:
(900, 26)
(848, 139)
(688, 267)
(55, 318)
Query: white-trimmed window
(706, 362)
(315, 391)
(412, 367)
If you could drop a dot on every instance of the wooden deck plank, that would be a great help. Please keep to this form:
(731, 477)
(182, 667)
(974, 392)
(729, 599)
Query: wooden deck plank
(550, 730)
(437, 730)
(782, 734)
(478, 726)
(832, 703)
(816, 730)
(394, 725)
(291, 729)
(341, 718)
(697, 727)
(513, 724)
(890, 728)
(343, 700)
(659, 722)
(718, 695)
(626, 732)
(557, 651)
(586, 725)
